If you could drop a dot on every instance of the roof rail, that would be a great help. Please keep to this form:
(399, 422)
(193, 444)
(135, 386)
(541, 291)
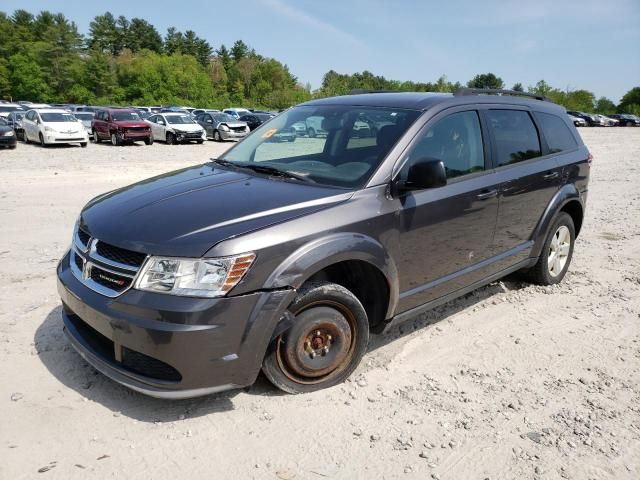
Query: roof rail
(496, 91)
(361, 91)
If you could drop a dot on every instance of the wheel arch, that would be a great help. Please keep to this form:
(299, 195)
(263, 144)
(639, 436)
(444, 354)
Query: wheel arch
(568, 199)
(345, 259)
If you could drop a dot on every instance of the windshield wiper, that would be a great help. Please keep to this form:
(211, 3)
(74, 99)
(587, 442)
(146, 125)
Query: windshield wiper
(223, 162)
(269, 170)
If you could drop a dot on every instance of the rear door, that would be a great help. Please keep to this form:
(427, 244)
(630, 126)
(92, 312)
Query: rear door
(446, 233)
(529, 177)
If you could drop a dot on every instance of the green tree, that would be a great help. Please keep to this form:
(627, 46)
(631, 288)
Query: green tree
(605, 106)
(517, 87)
(27, 78)
(104, 34)
(630, 102)
(486, 80)
(143, 35)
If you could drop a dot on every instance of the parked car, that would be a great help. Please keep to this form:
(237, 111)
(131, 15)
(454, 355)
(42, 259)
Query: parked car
(7, 108)
(265, 112)
(236, 112)
(14, 120)
(176, 128)
(254, 120)
(86, 118)
(7, 135)
(626, 120)
(591, 119)
(283, 257)
(578, 121)
(49, 126)
(120, 126)
(221, 126)
(198, 111)
(606, 121)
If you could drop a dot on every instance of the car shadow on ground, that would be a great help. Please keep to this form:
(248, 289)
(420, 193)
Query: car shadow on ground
(59, 357)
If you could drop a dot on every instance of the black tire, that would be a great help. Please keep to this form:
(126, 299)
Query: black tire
(42, 143)
(311, 132)
(170, 139)
(540, 273)
(84, 144)
(148, 140)
(326, 316)
(96, 138)
(12, 147)
(115, 139)
(200, 142)
(216, 136)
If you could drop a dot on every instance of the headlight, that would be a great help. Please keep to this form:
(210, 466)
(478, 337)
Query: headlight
(203, 277)
(49, 129)
(224, 127)
(9, 133)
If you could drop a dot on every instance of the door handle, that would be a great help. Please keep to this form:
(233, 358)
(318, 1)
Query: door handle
(487, 194)
(551, 175)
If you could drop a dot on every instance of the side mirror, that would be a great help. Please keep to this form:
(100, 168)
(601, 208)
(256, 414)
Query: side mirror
(425, 173)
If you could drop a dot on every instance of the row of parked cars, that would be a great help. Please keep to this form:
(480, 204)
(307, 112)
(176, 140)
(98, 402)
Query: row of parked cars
(581, 119)
(51, 124)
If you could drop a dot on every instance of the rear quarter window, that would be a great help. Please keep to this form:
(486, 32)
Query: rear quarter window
(556, 132)
(515, 135)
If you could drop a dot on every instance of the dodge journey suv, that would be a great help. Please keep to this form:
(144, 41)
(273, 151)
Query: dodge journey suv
(283, 257)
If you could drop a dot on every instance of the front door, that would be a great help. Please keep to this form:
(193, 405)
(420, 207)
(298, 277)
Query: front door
(446, 233)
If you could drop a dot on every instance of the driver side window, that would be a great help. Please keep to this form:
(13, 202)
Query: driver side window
(456, 140)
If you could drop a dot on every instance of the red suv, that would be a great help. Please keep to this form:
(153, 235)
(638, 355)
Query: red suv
(121, 126)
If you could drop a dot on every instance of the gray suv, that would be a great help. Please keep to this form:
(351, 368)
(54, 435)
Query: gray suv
(283, 257)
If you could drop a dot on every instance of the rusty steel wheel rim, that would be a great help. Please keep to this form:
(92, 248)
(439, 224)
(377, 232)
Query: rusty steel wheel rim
(322, 350)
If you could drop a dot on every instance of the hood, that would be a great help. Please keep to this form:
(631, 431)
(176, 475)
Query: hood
(186, 212)
(64, 126)
(186, 127)
(131, 123)
(236, 124)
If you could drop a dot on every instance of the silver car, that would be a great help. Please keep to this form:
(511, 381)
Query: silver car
(221, 126)
(85, 118)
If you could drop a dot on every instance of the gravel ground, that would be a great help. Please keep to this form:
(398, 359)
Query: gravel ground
(511, 381)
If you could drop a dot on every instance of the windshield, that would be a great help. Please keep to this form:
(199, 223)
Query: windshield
(57, 117)
(338, 146)
(125, 117)
(9, 108)
(18, 115)
(179, 119)
(83, 116)
(223, 117)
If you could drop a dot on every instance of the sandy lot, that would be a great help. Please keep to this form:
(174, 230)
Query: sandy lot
(513, 381)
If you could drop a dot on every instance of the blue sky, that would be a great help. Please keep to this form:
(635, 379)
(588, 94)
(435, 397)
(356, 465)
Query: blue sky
(591, 44)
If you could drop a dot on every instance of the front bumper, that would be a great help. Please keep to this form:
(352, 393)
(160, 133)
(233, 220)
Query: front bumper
(168, 346)
(8, 141)
(134, 136)
(58, 137)
(231, 135)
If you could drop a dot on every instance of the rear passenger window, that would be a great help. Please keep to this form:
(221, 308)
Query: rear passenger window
(457, 141)
(515, 134)
(556, 133)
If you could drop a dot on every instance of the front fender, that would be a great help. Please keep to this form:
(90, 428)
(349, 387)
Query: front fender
(323, 252)
(566, 194)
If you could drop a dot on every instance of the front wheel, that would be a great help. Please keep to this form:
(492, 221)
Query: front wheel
(42, 142)
(216, 136)
(325, 344)
(115, 140)
(148, 140)
(84, 144)
(171, 140)
(556, 253)
(200, 142)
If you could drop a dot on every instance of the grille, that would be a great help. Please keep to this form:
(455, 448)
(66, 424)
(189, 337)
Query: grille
(238, 129)
(110, 280)
(148, 366)
(195, 135)
(132, 360)
(117, 254)
(136, 129)
(83, 237)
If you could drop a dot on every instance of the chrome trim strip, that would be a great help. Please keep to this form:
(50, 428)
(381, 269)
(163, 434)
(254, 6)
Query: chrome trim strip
(78, 243)
(91, 264)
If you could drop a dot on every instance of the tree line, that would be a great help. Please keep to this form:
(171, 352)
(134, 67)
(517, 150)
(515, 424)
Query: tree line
(121, 61)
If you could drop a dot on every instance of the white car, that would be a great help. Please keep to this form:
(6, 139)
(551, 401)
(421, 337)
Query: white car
(50, 126)
(237, 112)
(175, 128)
(7, 108)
